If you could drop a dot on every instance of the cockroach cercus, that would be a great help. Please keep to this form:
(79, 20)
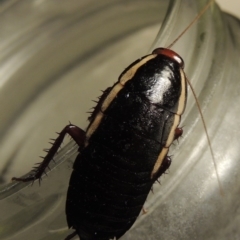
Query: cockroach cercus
(124, 148)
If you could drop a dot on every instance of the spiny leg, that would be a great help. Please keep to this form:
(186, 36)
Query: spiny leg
(78, 136)
(164, 167)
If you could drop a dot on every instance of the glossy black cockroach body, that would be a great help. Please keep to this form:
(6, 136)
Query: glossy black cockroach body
(124, 149)
(126, 145)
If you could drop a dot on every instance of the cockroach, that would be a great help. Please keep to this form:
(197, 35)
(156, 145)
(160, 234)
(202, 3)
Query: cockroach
(124, 148)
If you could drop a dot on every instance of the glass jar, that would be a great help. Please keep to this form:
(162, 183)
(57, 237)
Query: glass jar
(55, 58)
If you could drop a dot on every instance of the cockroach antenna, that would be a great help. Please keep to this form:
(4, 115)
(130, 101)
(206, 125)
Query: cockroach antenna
(192, 22)
(194, 94)
(208, 138)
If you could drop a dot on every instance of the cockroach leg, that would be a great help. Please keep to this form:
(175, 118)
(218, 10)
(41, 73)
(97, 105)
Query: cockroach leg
(178, 133)
(78, 136)
(164, 167)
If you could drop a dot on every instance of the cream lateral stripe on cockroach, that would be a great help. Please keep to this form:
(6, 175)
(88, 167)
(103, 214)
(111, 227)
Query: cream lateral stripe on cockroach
(182, 98)
(159, 161)
(124, 149)
(176, 122)
(180, 110)
(127, 76)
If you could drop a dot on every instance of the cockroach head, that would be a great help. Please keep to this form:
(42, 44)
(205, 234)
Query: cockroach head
(170, 54)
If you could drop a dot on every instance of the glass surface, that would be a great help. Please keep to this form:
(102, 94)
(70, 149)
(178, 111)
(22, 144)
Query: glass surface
(55, 58)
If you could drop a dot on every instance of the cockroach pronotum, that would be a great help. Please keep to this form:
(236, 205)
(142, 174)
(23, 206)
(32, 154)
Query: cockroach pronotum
(124, 148)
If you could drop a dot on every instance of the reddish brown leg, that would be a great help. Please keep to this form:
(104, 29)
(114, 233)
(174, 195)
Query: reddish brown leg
(164, 167)
(178, 133)
(78, 136)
